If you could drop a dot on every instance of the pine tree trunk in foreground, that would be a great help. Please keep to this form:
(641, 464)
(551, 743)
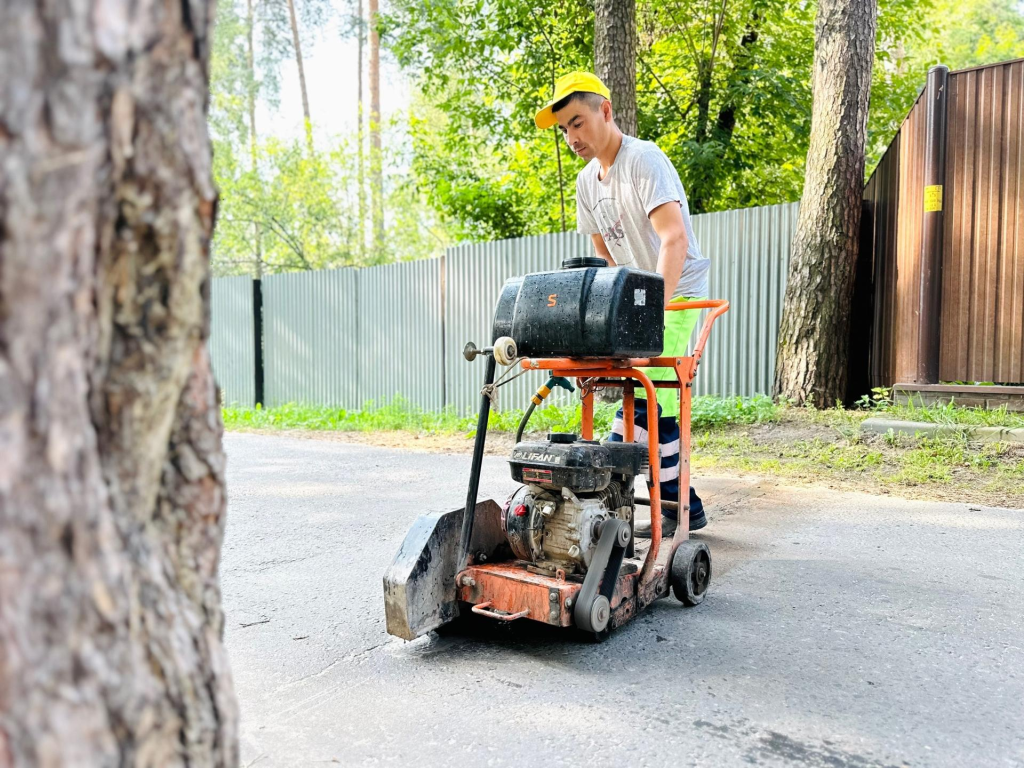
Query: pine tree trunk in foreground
(615, 57)
(812, 354)
(111, 466)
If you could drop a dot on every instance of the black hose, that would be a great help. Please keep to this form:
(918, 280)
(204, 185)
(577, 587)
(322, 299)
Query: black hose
(474, 472)
(543, 392)
(523, 421)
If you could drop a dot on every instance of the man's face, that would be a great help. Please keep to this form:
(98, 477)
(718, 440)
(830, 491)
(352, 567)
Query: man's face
(587, 130)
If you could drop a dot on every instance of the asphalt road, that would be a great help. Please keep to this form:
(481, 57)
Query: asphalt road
(840, 630)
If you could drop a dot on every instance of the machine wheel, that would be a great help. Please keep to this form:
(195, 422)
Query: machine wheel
(594, 619)
(691, 572)
(505, 351)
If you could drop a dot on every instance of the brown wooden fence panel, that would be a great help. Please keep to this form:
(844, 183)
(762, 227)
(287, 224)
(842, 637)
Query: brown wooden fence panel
(983, 239)
(881, 197)
(982, 315)
(908, 243)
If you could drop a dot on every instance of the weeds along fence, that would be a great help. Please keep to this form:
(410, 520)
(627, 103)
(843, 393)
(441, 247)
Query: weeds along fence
(349, 336)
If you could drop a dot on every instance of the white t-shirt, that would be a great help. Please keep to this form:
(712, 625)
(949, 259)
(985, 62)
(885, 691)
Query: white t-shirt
(618, 206)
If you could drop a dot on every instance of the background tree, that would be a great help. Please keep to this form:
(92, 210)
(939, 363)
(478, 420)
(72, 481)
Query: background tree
(724, 88)
(812, 358)
(479, 158)
(360, 24)
(297, 46)
(615, 57)
(281, 31)
(111, 465)
(376, 157)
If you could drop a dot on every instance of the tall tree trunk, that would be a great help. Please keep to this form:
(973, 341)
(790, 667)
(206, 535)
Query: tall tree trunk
(615, 57)
(739, 80)
(250, 60)
(111, 465)
(561, 173)
(376, 161)
(702, 185)
(297, 43)
(812, 357)
(361, 138)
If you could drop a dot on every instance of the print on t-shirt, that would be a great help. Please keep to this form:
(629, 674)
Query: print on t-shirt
(609, 219)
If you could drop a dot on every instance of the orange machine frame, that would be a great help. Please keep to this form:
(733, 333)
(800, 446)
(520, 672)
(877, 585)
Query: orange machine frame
(509, 590)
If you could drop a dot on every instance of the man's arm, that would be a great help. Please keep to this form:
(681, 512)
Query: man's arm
(667, 220)
(602, 249)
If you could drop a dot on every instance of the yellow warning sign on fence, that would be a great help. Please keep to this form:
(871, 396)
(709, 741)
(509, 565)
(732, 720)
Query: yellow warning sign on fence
(933, 198)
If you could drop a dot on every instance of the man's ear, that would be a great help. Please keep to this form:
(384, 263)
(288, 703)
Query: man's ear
(606, 110)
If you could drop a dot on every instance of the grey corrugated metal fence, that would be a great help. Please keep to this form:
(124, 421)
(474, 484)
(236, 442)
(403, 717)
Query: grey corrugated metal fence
(749, 252)
(345, 337)
(401, 344)
(474, 275)
(311, 348)
(232, 340)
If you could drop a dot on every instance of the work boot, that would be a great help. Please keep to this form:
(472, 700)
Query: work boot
(668, 525)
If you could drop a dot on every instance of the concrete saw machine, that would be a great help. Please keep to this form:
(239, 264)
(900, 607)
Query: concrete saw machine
(561, 550)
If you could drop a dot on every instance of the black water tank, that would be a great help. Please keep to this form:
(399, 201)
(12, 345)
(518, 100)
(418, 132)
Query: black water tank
(583, 312)
(576, 262)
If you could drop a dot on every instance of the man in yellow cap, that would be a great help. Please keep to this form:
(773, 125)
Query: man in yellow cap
(630, 200)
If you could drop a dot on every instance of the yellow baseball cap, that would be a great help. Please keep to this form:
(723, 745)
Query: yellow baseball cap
(566, 85)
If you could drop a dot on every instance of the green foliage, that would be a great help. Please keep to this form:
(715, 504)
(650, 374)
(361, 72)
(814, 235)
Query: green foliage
(708, 412)
(482, 70)
(880, 399)
(231, 80)
(952, 414)
(284, 204)
(724, 89)
(957, 415)
(915, 35)
(284, 213)
(297, 209)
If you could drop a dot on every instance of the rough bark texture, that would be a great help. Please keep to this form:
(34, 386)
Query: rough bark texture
(376, 167)
(111, 467)
(615, 57)
(812, 357)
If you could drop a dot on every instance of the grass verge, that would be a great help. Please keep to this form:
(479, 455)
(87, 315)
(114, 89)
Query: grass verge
(403, 416)
(752, 435)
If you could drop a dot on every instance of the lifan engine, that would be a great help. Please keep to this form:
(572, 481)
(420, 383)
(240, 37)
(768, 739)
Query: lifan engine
(571, 487)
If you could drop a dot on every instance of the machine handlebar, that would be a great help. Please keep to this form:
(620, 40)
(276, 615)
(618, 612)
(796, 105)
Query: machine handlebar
(718, 308)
